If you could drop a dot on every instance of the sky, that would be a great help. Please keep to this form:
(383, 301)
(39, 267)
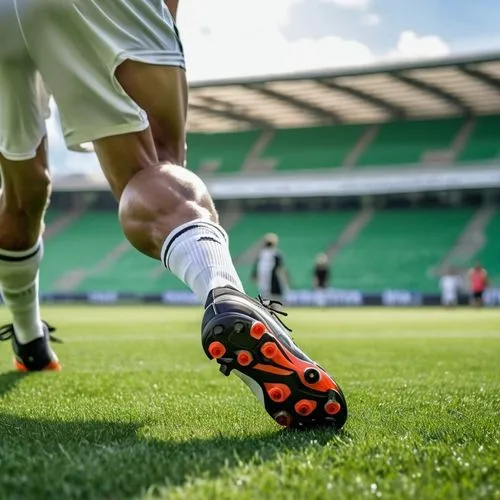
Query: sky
(239, 38)
(232, 38)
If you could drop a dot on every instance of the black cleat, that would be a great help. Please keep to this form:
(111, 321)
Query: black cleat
(35, 355)
(247, 337)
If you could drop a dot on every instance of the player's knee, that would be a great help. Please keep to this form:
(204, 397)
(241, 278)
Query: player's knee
(30, 196)
(33, 198)
(22, 205)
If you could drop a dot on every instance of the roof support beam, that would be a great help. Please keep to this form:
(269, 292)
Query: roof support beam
(232, 115)
(325, 115)
(480, 75)
(434, 90)
(394, 110)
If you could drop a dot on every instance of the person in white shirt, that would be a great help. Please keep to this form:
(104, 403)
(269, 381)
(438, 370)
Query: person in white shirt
(269, 270)
(450, 284)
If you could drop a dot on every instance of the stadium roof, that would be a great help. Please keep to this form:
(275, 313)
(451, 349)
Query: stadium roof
(423, 90)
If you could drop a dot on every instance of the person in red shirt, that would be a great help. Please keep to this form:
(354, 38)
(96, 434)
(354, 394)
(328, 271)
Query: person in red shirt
(478, 278)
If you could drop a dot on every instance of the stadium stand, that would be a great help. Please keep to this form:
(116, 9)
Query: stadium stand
(219, 152)
(106, 262)
(484, 142)
(489, 255)
(78, 248)
(398, 143)
(405, 142)
(397, 249)
(302, 236)
(311, 148)
(130, 272)
(315, 136)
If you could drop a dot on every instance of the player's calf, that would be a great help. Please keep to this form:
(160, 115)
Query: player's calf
(24, 197)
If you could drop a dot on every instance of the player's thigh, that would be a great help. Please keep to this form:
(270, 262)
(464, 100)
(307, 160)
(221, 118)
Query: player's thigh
(161, 91)
(87, 53)
(23, 157)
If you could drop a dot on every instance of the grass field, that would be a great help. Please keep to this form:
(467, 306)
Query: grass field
(139, 412)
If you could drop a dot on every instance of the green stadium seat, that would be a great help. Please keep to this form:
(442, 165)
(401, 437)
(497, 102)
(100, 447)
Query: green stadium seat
(398, 248)
(227, 150)
(404, 142)
(484, 142)
(489, 255)
(312, 148)
(131, 272)
(80, 246)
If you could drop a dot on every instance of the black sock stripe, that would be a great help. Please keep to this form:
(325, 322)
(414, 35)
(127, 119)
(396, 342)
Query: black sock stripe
(185, 230)
(10, 258)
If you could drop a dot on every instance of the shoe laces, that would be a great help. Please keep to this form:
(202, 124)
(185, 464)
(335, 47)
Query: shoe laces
(7, 332)
(275, 308)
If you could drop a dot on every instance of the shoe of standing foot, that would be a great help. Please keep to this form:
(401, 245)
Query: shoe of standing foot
(36, 355)
(246, 337)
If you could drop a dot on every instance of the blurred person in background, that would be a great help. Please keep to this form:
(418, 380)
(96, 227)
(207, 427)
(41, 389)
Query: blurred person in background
(321, 278)
(450, 284)
(478, 279)
(269, 270)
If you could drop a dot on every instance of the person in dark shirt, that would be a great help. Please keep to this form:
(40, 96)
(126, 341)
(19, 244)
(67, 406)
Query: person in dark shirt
(321, 278)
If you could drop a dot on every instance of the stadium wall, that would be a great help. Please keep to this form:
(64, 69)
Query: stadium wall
(296, 298)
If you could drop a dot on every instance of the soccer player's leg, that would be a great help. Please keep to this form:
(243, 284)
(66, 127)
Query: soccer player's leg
(23, 198)
(161, 204)
(134, 113)
(166, 212)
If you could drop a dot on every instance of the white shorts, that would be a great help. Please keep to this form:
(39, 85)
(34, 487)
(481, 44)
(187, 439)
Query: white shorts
(449, 298)
(320, 297)
(76, 46)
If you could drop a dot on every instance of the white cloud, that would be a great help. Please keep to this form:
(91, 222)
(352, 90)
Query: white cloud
(410, 45)
(252, 42)
(372, 19)
(350, 4)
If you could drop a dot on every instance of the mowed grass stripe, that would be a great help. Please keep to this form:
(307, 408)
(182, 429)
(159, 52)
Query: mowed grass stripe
(139, 412)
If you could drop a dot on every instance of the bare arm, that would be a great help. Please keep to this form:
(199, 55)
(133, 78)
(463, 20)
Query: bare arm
(172, 7)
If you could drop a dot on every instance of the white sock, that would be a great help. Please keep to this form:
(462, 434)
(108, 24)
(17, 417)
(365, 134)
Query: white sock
(198, 254)
(19, 287)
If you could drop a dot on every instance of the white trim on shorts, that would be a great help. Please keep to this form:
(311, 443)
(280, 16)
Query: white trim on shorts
(91, 135)
(24, 156)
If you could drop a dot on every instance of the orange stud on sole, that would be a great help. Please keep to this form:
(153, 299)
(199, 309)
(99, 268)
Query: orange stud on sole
(53, 366)
(332, 407)
(277, 392)
(305, 407)
(216, 350)
(257, 330)
(19, 366)
(269, 350)
(244, 358)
